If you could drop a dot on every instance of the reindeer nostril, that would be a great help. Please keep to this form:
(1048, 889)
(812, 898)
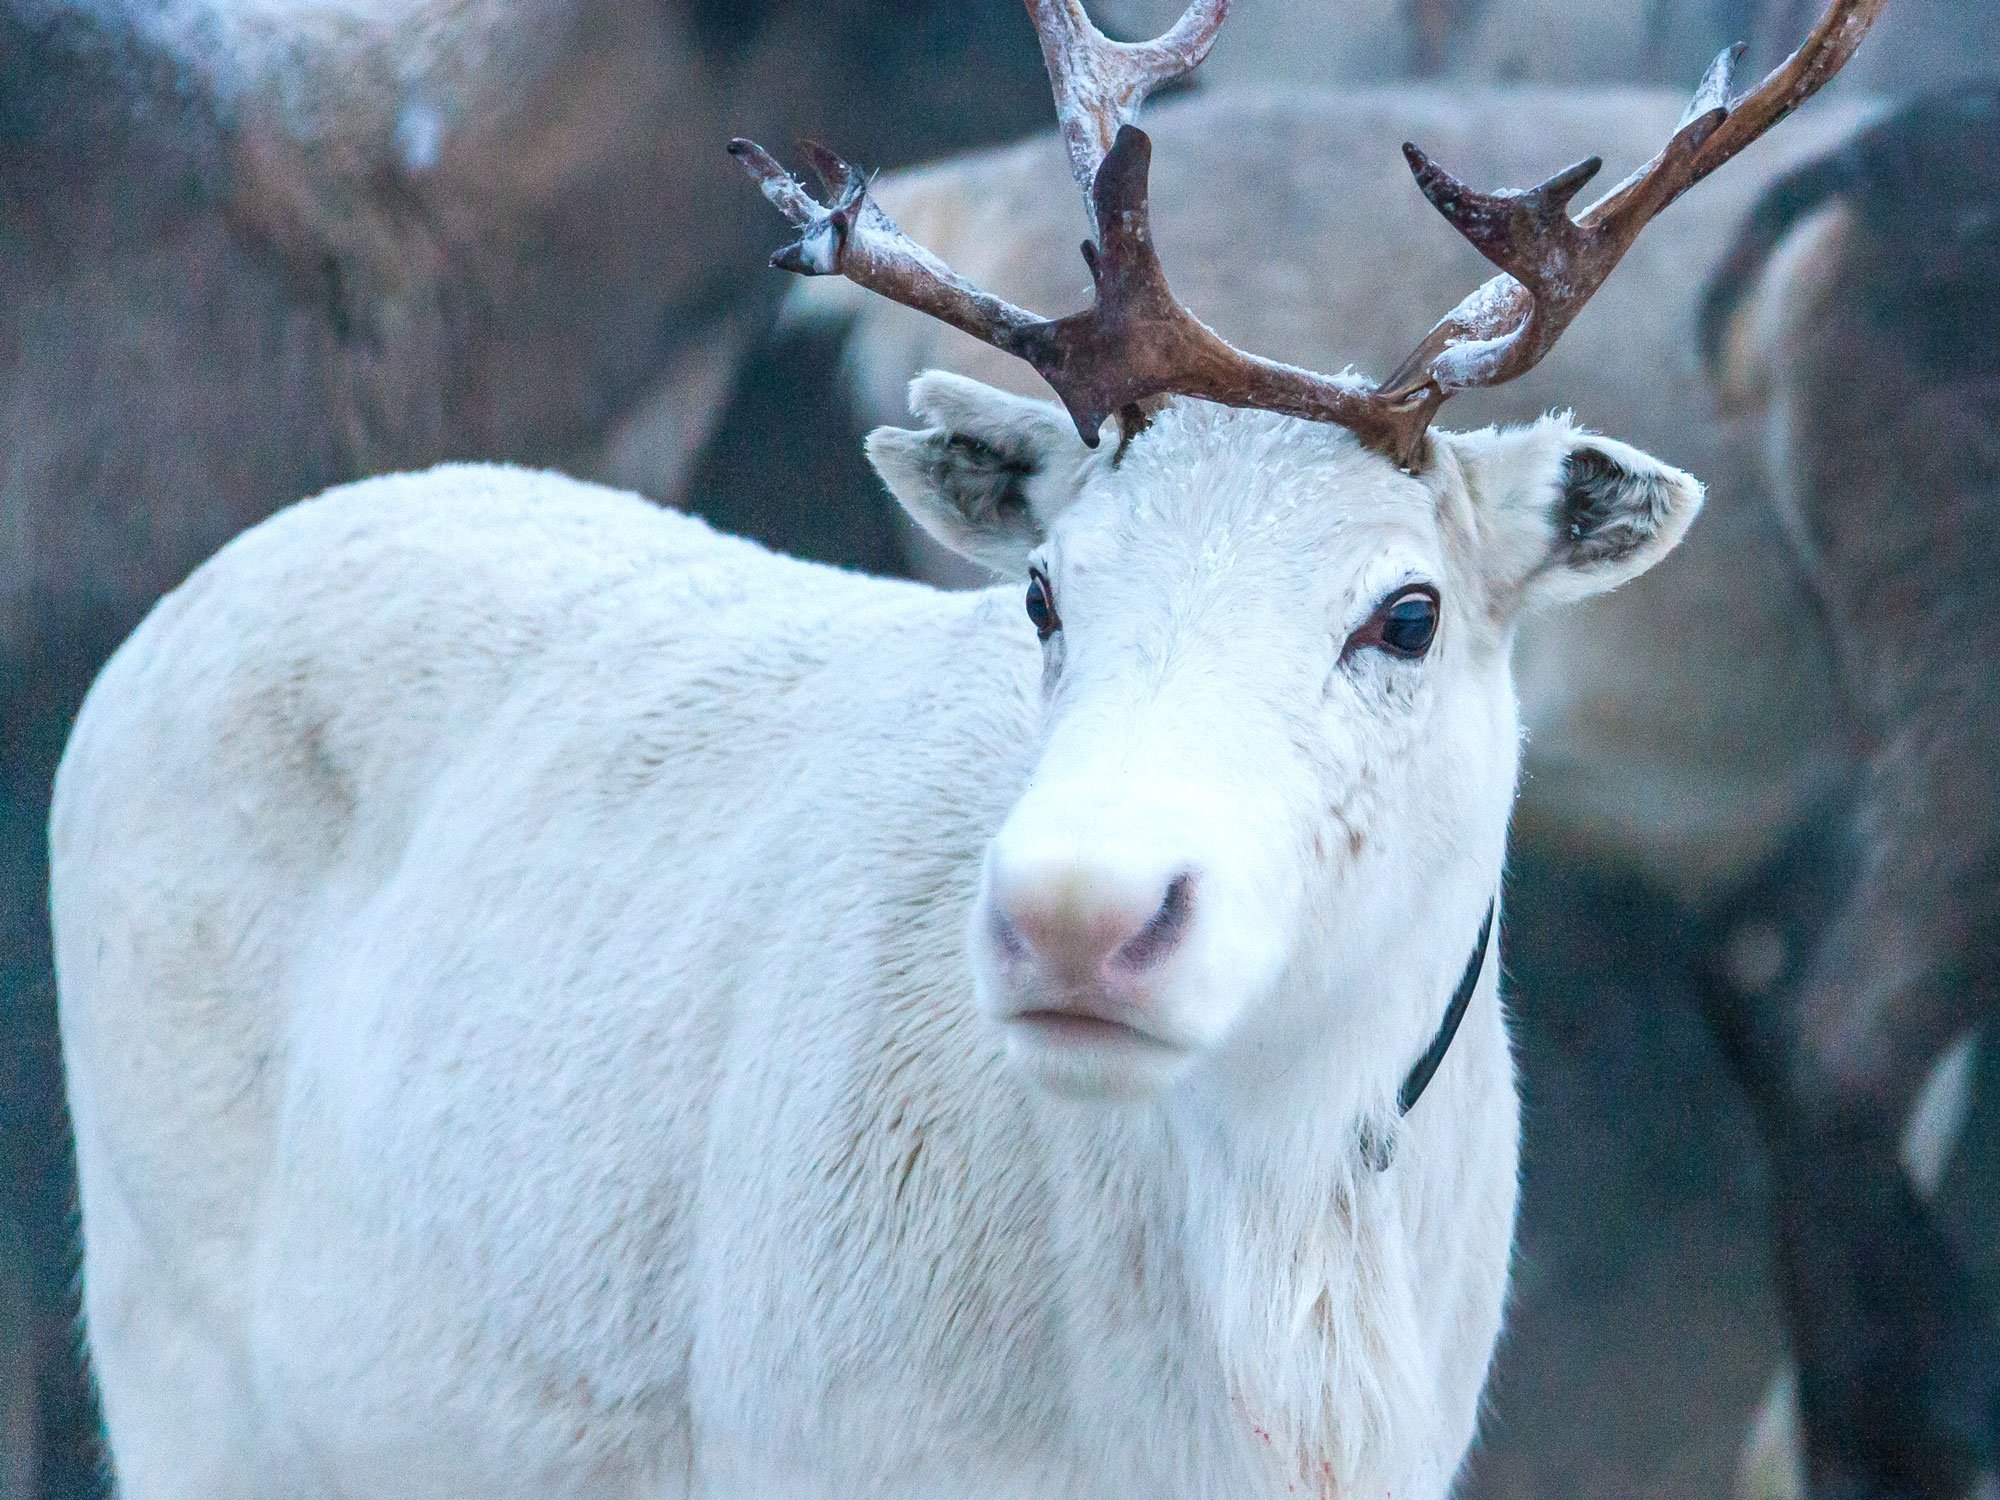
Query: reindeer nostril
(1006, 936)
(1157, 938)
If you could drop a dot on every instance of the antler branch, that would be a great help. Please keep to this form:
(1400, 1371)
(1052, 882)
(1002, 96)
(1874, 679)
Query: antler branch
(1552, 264)
(1100, 84)
(850, 236)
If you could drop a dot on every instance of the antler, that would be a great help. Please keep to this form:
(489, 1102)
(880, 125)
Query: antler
(1553, 264)
(1137, 342)
(1100, 84)
(850, 236)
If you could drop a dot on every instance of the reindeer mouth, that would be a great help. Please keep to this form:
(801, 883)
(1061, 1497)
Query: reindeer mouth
(1089, 1030)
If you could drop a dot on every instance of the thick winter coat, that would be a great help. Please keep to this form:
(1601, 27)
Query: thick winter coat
(559, 1002)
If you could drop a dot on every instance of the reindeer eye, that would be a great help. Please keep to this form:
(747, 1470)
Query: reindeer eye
(1409, 623)
(1041, 605)
(1405, 625)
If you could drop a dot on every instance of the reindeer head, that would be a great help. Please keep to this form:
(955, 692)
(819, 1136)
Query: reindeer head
(1275, 612)
(1281, 736)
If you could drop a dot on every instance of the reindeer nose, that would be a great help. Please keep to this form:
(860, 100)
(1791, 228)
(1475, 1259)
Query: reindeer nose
(1082, 924)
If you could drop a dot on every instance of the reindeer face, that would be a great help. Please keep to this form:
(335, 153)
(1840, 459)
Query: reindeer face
(1259, 784)
(1280, 738)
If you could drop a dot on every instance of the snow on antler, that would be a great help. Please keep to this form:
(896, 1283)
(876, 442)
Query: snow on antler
(850, 236)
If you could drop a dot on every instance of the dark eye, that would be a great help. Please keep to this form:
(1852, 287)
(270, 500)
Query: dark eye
(1404, 626)
(1041, 605)
(1409, 623)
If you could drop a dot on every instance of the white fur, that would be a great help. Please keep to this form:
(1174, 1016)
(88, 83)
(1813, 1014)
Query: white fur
(521, 1038)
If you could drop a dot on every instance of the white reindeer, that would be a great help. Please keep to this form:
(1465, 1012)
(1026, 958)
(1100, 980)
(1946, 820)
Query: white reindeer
(562, 1003)
(1681, 730)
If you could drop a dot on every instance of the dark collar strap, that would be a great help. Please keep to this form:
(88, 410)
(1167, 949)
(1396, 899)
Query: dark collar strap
(1420, 1076)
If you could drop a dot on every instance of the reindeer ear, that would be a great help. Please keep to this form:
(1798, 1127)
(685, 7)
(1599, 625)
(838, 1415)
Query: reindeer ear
(1563, 514)
(989, 472)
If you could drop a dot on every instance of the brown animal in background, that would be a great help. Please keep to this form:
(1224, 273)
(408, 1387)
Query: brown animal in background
(1860, 311)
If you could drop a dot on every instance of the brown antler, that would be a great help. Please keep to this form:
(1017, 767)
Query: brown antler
(1137, 342)
(850, 236)
(1553, 264)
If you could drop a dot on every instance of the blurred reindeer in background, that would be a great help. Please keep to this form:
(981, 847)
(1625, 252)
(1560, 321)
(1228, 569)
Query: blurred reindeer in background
(248, 251)
(1860, 313)
(1921, 44)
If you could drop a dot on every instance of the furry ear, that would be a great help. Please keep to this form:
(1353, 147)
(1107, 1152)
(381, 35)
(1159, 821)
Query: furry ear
(1564, 514)
(989, 472)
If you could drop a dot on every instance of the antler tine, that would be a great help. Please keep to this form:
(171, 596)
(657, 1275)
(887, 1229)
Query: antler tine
(1824, 52)
(1099, 84)
(1553, 264)
(850, 236)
